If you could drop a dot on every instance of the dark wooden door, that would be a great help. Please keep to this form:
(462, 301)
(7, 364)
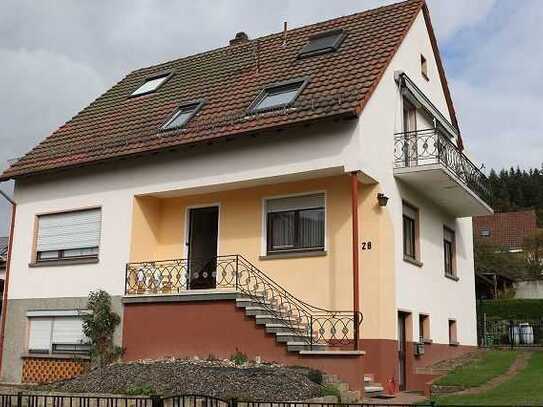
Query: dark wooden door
(203, 234)
(401, 351)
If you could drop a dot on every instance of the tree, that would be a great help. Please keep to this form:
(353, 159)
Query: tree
(99, 326)
(533, 251)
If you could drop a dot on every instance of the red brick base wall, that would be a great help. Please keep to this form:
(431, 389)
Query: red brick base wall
(45, 370)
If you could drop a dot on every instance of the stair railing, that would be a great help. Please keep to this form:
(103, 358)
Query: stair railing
(315, 326)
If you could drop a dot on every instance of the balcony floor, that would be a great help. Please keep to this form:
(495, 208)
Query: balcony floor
(441, 186)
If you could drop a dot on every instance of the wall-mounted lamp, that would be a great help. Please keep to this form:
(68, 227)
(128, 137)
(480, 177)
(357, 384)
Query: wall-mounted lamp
(382, 199)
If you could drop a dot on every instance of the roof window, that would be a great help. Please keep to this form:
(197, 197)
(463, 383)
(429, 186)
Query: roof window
(151, 84)
(278, 95)
(322, 43)
(182, 115)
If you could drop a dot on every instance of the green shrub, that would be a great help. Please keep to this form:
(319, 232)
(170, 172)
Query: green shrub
(144, 390)
(315, 376)
(331, 390)
(512, 309)
(239, 358)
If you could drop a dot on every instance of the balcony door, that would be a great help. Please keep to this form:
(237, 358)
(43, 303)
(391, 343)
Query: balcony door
(410, 128)
(202, 247)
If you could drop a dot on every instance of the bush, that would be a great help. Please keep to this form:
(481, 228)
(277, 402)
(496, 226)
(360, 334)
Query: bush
(239, 358)
(145, 390)
(331, 390)
(512, 309)
(315, 376)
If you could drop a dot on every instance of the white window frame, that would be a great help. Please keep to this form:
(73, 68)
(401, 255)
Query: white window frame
(264, 219)
(35, 252)
(51, 316)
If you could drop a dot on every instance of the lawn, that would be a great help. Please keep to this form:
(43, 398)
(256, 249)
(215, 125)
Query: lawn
(524, 388)
(493, 363)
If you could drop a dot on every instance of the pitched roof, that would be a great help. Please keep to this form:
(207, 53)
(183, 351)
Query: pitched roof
(340, 83)
(506, 229)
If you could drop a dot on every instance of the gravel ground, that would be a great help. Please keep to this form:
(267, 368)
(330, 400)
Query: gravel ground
(223, 379)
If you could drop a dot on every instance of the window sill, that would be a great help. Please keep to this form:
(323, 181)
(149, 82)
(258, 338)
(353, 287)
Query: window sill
(62, 356)
(414, 262)
(64, 262)
(427, 341)
(294, 255)
(454, 343)
(452, 277)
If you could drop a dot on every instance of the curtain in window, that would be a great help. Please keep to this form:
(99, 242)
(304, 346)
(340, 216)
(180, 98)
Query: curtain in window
(311, 228)
(282, 230)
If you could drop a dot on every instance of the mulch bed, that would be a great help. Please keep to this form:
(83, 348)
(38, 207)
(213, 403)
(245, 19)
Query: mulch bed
(222, 379)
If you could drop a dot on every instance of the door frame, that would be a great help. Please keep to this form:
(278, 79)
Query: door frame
(187, 225)
(404, 317)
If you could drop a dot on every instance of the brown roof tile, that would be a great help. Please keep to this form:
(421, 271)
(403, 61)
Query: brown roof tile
(507, 229)
(116, 125)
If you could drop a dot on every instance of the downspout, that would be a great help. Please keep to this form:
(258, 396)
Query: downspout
(6, 282)
(356, 285)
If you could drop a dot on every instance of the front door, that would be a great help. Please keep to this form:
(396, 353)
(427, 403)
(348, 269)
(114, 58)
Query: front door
(202, 242)
(401, 351)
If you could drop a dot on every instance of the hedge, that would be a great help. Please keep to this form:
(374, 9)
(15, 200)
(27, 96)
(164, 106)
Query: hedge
(511, 309)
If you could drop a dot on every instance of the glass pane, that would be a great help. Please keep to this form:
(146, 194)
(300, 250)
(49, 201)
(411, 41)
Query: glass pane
(150, 85)
(91, 251)
(282, 230)
(311, 228)
(409, 237)
(278, 96)
(48, 255)
(447, 248)
(179, 119)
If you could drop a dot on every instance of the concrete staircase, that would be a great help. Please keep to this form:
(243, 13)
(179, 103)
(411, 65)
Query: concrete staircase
(346, 395)
(287, 329)
(373, 389)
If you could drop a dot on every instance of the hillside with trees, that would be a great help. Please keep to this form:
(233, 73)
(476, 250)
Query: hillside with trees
(517, 189)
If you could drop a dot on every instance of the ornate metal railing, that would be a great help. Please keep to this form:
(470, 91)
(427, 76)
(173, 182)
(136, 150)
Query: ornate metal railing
(316, 326)
(430, 146)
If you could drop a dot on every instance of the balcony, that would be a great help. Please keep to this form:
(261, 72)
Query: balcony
(429, 162)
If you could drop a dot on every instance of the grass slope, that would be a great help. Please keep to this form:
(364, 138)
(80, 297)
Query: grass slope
(524, 388)
(492, 364)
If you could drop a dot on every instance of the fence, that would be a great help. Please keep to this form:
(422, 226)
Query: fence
(510, 332)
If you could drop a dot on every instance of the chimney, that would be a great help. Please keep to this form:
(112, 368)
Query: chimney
(240, 38)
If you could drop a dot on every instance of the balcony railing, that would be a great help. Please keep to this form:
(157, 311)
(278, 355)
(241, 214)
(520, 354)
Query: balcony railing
(428, 147)
(320, 326)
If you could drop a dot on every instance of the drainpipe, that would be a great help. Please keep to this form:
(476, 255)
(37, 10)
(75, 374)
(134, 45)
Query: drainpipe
(6, 282)
(356, 287)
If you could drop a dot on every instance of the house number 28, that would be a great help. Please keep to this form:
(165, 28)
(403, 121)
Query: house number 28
(366, 245)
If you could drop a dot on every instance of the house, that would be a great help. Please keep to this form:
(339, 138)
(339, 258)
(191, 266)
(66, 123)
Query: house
(303, 197)
(506, 232)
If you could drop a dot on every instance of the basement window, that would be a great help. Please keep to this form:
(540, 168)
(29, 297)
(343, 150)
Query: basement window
(279, 95)
(151, 84)
(182, 115)
(323, 43)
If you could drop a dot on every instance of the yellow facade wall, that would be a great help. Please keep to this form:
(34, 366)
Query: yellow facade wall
(325, 281)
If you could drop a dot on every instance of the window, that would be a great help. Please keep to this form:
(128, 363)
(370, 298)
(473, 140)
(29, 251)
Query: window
(485, 232)
(449, 252)
(62, 333)
(323, 43)
(453, 337)
(410, 232)
(151, 84)
(295, 223)
(68, 235)
(424, 328)
(424, 67)
(277, 96)
(182, 115)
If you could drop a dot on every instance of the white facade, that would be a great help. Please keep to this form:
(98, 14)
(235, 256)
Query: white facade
(365, 145)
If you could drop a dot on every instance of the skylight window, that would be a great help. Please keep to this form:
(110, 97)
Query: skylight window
(323, 43)
(182, 115)
(151, 84)
(278, 95)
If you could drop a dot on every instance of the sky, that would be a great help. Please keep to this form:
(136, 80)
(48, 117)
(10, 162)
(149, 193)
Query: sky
(57, 56)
